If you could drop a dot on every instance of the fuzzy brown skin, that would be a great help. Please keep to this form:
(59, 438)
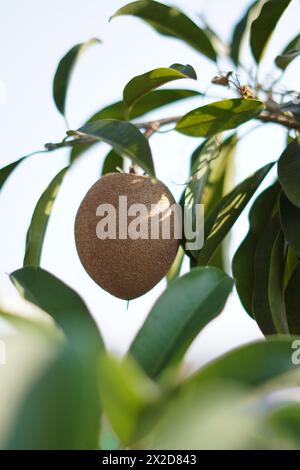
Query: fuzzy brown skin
(125, 268)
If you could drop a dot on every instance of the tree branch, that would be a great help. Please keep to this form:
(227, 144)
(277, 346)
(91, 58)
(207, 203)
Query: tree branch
(151, 127)
(275, 118)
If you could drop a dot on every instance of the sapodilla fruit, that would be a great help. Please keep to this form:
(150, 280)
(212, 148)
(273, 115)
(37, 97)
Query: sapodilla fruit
(126, 268)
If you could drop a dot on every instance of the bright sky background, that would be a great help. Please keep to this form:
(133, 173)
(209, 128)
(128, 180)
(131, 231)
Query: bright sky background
(34, 35)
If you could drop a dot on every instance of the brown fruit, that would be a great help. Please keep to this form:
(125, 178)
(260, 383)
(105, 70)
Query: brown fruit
(126, 268)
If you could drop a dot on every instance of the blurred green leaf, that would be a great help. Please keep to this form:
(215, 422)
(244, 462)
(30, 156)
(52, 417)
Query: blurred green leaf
(185, 307)
(290, 52)
(219, 116)
(140, 85)
(126, 393)
(124, 138)
(61, 410)
(243, 260)
(64, 72)
(40, 218)
(276, 284)
(61, 302)
(263, 27)
(290, 222)
(175, 269)
(198, 417)
(171, 22)
(293, 107)
(153, 100)
(292, 301)
(262, 260)
(222, 218)
(240, 30)
(112, 162)
(289, 172)
(284, 423)
(7, 170)
(252, 364)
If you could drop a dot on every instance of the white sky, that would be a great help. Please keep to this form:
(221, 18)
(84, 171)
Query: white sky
(34, 35)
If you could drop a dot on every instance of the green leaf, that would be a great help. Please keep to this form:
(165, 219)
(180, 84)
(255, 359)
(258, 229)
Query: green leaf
(219, 172)
(284, 422)
(175, 269)
(289, 172)
(243, 260)
(218, 117)
(290, 52)
(140, 85)
(290, 222)
(126, 394)
(202, 159)
(292, 301)
(61, 409)
(172, 22)
(7, 170)
(112, 162)
(276, 284)
(225, 214)
(185, 307)
(61, 302)
(64, 72)
(124, 138)
(40, 218)
(260, 301)
(211, 162)
(153, 100)
(251, 365)
(240, 31)
(263, 27)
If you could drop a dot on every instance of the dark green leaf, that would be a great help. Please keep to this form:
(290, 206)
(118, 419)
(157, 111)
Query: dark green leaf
(243, 260)
(292, 302)
(290, 222)
(225, 214)
(291, 51)
(290, 264)
(40, 218)
(140, 85)
(112, 162)
(219, 116)
(64, 72)
(153, 100)
(185, 307)
(61, 410)
(276, 284)
(289, 172)
(263, 27)
(170, 21)
(62, 303)
(240, 31)
(7, 170)
(124, 138)
(78, 150)
(251, 365)
(260, 301)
